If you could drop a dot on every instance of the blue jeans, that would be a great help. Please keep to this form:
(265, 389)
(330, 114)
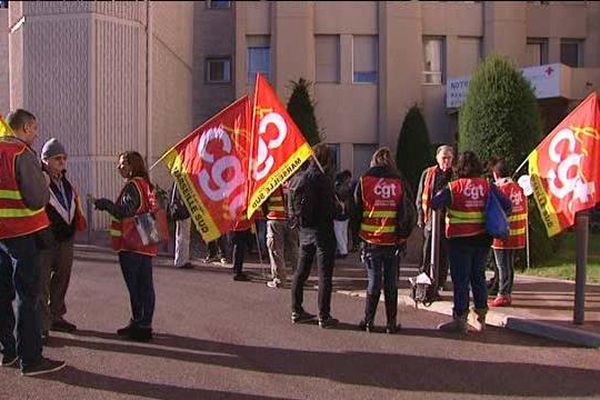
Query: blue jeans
(467, 267)
(505, 261)
(382, 263)
(20, 273)
(137, 272)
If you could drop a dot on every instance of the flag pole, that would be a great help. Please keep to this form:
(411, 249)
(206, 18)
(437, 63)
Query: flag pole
(323, 171)
(581, 245)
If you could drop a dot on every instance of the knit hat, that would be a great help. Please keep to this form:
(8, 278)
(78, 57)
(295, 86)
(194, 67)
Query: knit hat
(52, 148)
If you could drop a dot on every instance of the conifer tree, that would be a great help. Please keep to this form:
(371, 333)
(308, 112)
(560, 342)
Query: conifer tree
(301, 108)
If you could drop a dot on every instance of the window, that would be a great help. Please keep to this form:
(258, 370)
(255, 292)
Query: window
(570, 52)
(537, 51)
(470, 52)
(433, 60)
(216, 4)
(259, 56)
(218, 70)
(327, 52)
(362, 154)
(365, 54)
(335, 155)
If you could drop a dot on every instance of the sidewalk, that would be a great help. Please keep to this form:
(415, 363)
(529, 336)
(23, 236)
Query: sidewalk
(541, 306)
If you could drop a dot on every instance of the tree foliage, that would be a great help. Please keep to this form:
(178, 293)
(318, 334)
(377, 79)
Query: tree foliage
(413, 153)
(301, 108)
(501, 117)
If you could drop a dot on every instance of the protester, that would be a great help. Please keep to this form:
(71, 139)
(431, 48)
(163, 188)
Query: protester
(183, 224)
(282, 238)
(386, 222)
(343, 191)
(312, 207)
(433, 179)
(216, 250)
(66, 217)
(241, 234)
(136, 198)
(23, 222)
(469, 244)
(505, 250)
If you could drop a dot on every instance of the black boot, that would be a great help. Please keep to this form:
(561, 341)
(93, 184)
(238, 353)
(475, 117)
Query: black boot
(368, 323)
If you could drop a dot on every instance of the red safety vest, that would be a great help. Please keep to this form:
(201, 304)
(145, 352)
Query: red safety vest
(381, 198)
(147, 203)
(16, 219)
(465, 214)
(426, 196)
(276, 205)
(518, 218)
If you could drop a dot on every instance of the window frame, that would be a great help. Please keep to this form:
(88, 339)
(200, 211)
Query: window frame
(579, 44)
(212, 59)
(543, 42)
(338, 65)
(443, 62)
(370, 82)
(209, 5)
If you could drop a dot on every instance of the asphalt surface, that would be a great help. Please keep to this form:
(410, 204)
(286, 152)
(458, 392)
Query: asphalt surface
(220, 339)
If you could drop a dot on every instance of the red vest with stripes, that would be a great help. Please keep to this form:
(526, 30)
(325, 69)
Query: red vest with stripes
(147, 203)
(16, 219)
(381, 199)
(426, 196)
(518, 218)
(276, 205)
(465, 214)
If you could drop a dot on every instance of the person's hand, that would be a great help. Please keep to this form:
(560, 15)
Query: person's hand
(102, 204)
(420, 223)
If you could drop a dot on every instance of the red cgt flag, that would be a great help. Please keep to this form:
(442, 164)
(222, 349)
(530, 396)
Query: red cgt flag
(278, 147)
(211, 168)
(565, 167)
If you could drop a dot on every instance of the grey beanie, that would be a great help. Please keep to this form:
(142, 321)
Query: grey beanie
(52, 148)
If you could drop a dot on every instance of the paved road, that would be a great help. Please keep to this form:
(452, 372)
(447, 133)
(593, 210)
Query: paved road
(219, 339)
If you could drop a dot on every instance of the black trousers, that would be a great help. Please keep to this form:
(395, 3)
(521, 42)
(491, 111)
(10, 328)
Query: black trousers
(319, 243)
(442, 272)
(240, 240)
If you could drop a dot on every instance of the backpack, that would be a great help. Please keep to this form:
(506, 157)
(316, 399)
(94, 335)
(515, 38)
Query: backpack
(302, 201)
(409, 218)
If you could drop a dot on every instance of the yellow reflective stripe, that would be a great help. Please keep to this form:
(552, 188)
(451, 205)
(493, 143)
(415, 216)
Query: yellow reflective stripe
(276, 198)
(473, 216)
(19, 212)
(379, 214)
(10, 195)
(517, 217)
(115, 233)
(519, 231)
(276, 208)
(378, 229)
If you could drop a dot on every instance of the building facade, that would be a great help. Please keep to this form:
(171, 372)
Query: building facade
(108, 77)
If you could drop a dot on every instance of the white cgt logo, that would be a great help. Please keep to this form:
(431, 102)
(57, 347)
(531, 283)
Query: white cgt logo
(474, 192)
(265, 161)
(383, 190)
(581, 189)
(218, 167)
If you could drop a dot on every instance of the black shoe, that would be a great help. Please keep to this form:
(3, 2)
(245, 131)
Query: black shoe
(302, 317)
(141, 334)
(61, 325)
(9, 360)
(392, 329)
(45, 337)
(327, 322)
(126, 331)
(366, 326)
(241, 277)
(45, 366)
(186, 266)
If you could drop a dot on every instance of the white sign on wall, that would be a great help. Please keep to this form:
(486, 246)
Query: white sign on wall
(545, 80)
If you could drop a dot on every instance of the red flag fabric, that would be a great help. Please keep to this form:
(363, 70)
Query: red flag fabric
(565, 167)
(210, 167)
(278, 146)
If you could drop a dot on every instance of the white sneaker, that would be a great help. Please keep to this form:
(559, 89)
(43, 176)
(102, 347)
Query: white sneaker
(275, 283)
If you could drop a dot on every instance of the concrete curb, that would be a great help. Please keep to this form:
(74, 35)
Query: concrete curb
(502, 320)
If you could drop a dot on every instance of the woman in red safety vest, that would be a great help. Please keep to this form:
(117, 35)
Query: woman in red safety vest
(137, 197)
(464, 200)
(379, 195)
(505, 250)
